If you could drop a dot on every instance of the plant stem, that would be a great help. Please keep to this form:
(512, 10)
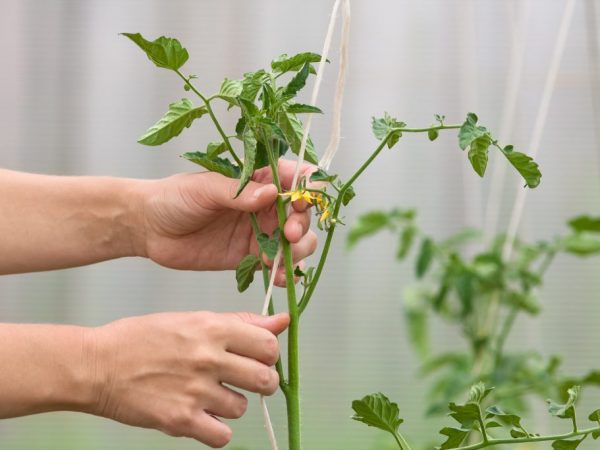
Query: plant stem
(523, 440)
(425, 130)
(401, 441)
(213, 117)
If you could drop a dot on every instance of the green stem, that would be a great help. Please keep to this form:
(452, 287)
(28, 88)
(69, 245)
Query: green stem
(213, 117)
(265, 275)
(523, 440)
(425, 130)
(401, 441)
(504, 332)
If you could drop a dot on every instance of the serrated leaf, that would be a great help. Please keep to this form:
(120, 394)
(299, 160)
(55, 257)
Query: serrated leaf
(321, 175)
(213, 164)
(293, 130)
(230, 90)
(566, 410)
(285, 63)
(249, 157)
(456, 436)
(585, 223)
(433, 135)
(299, 108)
(244, 274)
(425, 257)
(510, 419)
(466, 414)
(525, 165)
(215, 149)
(376, 410)
(407, 238)
(180, 115)
(581, 244)
(269, 245)
(470, 131)
(385, 126)
(164, 52)
(367, 225)
(478, 392)
(478, 153)
(564, 444)
(297, 82)
(252, 83)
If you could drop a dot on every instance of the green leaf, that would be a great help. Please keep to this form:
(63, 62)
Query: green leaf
(252, 83)
(585, 223)
(425, 257)
(214, 164)
(465, 414)
(525, 165)
(298, 108)
(386, 125)
(595, 416)
(244, 274)
(349, 194)
(564, 444)
(566, 410)
(478, 153)
(478, 392)
(215, 149)
(407, 237)
(367, 225)
(249, 157)
(285, 63)
(163, 52)
(469, 131)
(510, 419)
(293, 131)
(433, 135)
(269, 246)
(230, 90)
(180, 115)
(298, 82)
(321, 175)
(377, 411)
(581, 244)
(517, 433)
(455, 437)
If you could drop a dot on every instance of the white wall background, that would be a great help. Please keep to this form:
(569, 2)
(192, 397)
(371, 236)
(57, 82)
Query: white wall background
(74, 96)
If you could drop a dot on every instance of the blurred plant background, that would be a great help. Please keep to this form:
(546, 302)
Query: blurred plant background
(75, 96)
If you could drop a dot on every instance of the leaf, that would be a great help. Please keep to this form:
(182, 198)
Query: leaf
(526, 166)
(433, 135)
(478, 392)
(293, 131)
(215, 149)
(249, 157)
(298, 82)
(465, 414)
(298, 108)
(425, 257)
(455, 437)
(252, 83)
(595, 416)
(566, 410)
(510, 419)
(163, 52)
(180, 115)
(407, 238)
(230, 90)
(269, 246)
(349, 194)
(585, 223)
(478, 153)
(285, 63)
(517, 433)
(321, 175)
(214, 164)
(377, 411)
(367, 225)
(564, 444)
(244, 274)
(385, 125)
(581, 244)
(469, 131)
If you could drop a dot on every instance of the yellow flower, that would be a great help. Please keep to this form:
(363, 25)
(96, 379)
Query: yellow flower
(299, 194)
(324, 215)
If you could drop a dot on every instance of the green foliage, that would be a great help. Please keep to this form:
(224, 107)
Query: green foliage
(244, 274)
(163, 52)
(180, 115)
(268, 245)
(377, 411)
(213, 164)
(385, 126)
(285, 63)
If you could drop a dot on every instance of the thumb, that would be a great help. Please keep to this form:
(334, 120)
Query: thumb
(254, 197)
(275, 324)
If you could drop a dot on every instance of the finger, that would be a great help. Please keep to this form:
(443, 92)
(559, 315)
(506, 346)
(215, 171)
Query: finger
(210, 431)
(221, 191)
(226, 403)
(286, 172)
(296, 226)
(275, 324)
(305, 247)
(280, 278)
(248, 374)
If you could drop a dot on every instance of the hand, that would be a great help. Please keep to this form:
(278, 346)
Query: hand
(193, 221)
(168, 371)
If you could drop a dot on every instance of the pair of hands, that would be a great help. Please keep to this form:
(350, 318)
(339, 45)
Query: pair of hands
(172, 371)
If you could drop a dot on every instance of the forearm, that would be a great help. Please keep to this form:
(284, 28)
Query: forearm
(49, 222)
(46, 368)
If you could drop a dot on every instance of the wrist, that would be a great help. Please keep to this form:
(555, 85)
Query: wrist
(134, 198)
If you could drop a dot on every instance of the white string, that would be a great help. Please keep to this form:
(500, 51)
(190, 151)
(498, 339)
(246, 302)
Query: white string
(538, 129)
(301, 152)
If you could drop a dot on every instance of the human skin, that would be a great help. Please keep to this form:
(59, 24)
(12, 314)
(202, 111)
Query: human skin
(175, 372)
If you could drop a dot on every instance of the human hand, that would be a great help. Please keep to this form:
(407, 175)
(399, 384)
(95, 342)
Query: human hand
(192, 221)
(170, 371)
